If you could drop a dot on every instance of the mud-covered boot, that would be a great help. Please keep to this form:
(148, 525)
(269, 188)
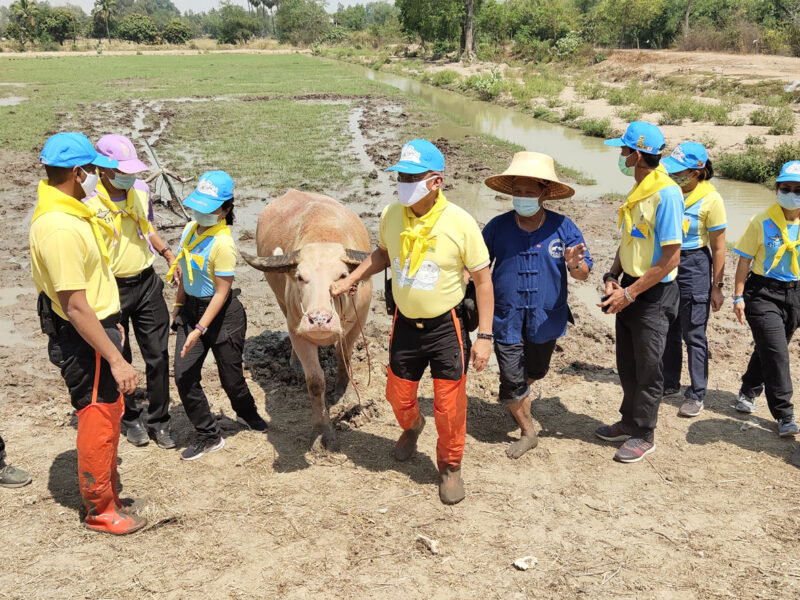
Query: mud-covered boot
(407, 442)
(451, 486)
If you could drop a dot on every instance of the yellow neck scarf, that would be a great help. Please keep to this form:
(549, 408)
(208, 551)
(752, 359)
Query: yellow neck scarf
(415, 239)
(142, 224)
(187, 247)
(655, 181)
(775, 212)
(53, 200)
(701, 190)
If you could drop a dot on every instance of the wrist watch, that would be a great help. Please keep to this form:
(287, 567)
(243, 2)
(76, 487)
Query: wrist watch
(485, 336)
(719, 284)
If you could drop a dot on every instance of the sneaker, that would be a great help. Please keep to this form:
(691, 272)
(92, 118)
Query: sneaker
(690, 408)
(613, 433)
(202, 446)
(253, 423)
(787, 427)
(746, 404)
(634, 450)
(671, 391)
(12, 477)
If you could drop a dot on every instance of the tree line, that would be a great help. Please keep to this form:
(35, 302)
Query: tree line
(535, 29)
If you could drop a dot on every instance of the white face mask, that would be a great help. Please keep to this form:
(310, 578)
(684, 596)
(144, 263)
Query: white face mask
(413, 192)
(90, 183)
(525, 207)
(205, 219)
(789, 200)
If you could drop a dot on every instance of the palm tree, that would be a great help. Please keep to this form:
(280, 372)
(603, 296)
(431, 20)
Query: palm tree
(25, 12)
(106, 9)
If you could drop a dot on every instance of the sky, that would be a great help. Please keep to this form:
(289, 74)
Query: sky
(184, 5)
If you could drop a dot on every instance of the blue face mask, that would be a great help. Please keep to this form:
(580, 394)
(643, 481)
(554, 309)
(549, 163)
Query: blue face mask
(526, 207)
(205, 220)
(789, 200)
(122, 181)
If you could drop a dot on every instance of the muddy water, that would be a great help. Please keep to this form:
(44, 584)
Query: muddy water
(567, 146)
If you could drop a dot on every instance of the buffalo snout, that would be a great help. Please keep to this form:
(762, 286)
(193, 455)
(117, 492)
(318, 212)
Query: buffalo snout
(319, 318)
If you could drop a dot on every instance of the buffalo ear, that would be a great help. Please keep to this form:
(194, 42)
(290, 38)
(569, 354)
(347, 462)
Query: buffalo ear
(354, 258)
(282, 263)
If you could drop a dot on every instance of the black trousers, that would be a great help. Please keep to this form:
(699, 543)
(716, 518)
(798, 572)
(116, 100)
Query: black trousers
(519, 363)
(772, 309)
(143, 306)
(2, 450)
(225, 339)
(641, 338)
(415, 344)
(85, 372)
(694, 284)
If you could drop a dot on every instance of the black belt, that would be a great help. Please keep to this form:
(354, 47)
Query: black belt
(772, 283)
(109, 322)
(135, 279)
(431, 323)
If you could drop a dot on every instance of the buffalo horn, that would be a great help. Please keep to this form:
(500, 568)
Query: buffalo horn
(355, 257)
(282, 263)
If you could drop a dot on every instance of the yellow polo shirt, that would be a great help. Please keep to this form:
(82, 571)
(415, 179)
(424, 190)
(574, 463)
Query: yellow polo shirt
(129, 253)
(455, 242)
(657, 222)
(65, 256)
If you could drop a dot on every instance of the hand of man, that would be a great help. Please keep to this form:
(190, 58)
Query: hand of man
(616, 300)
(343, 285)
(738, 310)
(574, 255)
(122, 332)
(611, 285)
(717, 299)
(479, 355)
(191, 340)
(125, 376)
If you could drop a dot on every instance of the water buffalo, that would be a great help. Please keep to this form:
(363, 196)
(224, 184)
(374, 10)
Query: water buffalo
(306, 242)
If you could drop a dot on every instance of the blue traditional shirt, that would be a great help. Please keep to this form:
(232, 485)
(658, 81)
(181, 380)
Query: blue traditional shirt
(530, 277)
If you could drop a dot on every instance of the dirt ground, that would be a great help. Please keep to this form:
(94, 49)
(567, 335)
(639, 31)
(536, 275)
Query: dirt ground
(713, 513)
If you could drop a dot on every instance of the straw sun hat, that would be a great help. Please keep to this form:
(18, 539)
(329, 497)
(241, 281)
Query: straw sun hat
(533, 165)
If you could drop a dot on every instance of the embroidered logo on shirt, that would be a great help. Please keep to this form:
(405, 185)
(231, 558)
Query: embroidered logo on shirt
(424, 279)
(556, 248)
(774, 241)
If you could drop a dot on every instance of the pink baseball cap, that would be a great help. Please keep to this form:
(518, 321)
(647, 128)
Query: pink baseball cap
(121, 149)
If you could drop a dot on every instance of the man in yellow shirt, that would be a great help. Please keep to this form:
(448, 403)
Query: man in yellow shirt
(646, 297)
(123, 201)
(428, 243)
(78, 309)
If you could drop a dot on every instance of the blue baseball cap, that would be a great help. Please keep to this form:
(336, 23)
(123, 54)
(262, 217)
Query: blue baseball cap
(642, 136)
(419, 156)
(73, 150)
(688, 155)
(790, 171)
(214, 188)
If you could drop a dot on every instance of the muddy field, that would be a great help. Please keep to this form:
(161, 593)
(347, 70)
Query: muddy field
(713, 513)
